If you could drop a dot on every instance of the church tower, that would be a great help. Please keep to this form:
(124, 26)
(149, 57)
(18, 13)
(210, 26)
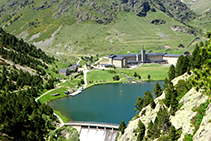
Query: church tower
(143, 55)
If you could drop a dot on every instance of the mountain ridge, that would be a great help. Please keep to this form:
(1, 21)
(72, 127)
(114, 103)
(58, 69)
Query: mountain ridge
(50, 16)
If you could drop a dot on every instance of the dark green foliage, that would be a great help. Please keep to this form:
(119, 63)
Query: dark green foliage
(163, 119)
(150, 129)
(10, 41)
(157, 91)
(135, 74)
(182, 87)
(22, 78)
(172, 133)
(147, 98)
(174, 104)
(169, 92)
(139, 104)
(165, 85)
(196, 58)
(171, 72)
(148, 76)
(196, 120)
(116, 78)
(141, 130)
(153, 130)
(82, 81)
(122, 127)
(188, 137)
(208, 34)
(182, 65)
(22, 118)
(152, 104)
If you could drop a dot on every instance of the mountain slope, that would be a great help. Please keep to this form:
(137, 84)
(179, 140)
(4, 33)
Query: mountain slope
(198, 6)
(93, 26)
(182, 111)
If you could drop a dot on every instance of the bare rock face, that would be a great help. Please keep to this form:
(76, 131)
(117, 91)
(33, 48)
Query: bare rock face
(183, 116)
(204, 132)
(146, 115)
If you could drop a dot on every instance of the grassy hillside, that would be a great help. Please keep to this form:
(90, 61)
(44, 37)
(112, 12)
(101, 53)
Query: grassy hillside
(95, 28)
(127, 33)
(198, 6)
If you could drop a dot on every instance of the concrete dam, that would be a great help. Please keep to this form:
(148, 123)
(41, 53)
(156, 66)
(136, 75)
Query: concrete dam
(95, 131)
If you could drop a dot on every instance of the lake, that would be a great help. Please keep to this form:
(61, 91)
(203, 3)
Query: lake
(110, 103)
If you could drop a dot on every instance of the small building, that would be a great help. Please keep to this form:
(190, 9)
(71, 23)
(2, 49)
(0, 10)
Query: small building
(171, 58)
(119, 62)
(56, 94)
(151, 57)
(64, 71)
(73, 68)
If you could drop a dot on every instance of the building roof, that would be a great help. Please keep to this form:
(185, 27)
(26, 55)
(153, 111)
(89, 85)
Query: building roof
(172, 55)
(111, 56)
(127, 55)
(118, 58)
(156, 54)
(133, 61)
(63, 70)
(73, 67)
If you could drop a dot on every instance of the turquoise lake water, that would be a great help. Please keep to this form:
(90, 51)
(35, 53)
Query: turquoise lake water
(109, 103)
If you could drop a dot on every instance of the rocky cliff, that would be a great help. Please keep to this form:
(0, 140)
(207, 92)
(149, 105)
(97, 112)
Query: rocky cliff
(182, 120)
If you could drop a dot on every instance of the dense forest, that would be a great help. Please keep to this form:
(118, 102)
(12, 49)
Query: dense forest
(21, 117)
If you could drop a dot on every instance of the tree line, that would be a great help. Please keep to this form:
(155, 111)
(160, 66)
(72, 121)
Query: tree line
(21, 118)
(19, 58)
(10, 41)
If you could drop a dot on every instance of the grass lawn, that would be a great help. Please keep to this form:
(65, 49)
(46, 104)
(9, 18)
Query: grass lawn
(61, 116)
(104, 75)
(48, 97)
(157, 72)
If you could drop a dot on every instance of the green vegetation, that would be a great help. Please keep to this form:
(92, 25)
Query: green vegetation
(122, 127)
(157, 91)
(60, 134)
(141, 130)
(103, 76)
(196, 120)
(117, 30)
(64, 119)
(156, 72)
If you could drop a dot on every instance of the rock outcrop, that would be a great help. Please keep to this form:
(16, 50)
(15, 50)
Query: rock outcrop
(204, 132)
(181, 119)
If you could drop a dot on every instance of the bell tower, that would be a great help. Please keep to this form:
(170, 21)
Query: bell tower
(143, 55)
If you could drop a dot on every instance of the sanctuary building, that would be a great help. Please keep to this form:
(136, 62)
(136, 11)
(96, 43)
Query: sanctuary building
(136, 58)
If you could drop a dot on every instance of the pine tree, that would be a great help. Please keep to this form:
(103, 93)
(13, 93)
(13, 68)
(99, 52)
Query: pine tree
(172, 133)
(195, 59)
(152, 104)
(170, 91)
(147, 98)
(122, 127)
(182, 65)
(150, 129)
(171, 72)
(157, 91)
(174, 102)
(139, 104)
(141, 130)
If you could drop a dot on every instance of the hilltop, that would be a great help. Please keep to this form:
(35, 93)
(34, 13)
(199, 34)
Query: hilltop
(100, 27)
